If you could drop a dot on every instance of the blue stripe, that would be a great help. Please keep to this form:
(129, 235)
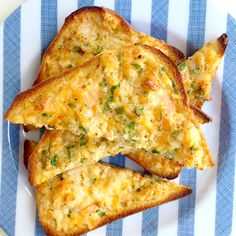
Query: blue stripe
(123, 8)
(159, 19)
(158, 30)
(48, 32)
(84, 3)
(11, 86)
(195, 40)
(226, 159)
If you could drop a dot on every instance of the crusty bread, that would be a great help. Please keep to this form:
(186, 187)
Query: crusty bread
(29, 146)
(202, 66)
(137, 99)
(89, 31)
(81, 200)
(60, 151)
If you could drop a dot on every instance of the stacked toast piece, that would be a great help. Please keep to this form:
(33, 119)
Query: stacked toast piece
(105, 89)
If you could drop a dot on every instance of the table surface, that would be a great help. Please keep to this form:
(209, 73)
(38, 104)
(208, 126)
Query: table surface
(8, 6)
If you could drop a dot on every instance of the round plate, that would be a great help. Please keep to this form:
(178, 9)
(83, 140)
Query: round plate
(185, 24)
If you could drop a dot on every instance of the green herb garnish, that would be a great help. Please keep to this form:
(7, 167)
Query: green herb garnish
(181, 66)
(163, 69)
(169, 155)
(69, 213)
(53, 160)
(101, 213)
(45, 114)
(77, 49)
(174, 86)
(131, 124)
(155, 151)
(69, 66)
(120, 110)
(138, 111)
(175, 134)
(197, 71)
(82, 130)
(136, 66)
(83, 140)
(99, 49)
(71, 105)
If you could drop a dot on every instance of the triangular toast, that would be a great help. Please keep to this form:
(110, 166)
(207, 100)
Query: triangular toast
(60, 151)
(83, 199)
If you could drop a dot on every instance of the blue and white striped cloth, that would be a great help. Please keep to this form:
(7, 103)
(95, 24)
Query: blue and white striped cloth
(187, 24)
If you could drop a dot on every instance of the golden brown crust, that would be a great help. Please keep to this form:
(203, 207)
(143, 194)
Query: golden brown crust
(200, 115)
(172, 173)
(222, 42)
(29, 146)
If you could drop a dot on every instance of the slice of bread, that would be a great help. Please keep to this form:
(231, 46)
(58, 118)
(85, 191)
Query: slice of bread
(89, 31)
(59, 151)
(137, 99)
(201, 67)
(81, 200)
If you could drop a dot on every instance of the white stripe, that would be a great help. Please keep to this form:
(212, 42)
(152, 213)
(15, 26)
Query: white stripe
(1, 97)
(109, 4)
(216, 22)
(141, 16)
(176, 36)
(234, 202)
(105, 3)
(30, 60)
(178, 24)
(64, 9)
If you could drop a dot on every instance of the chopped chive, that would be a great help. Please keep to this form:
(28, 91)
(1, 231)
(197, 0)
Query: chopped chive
(69, 213)
(174, 86)
(138, 111)
(77, 49)
(101, 213)
(53, 160)
(83, 140)
(82, 130)
(155, 151)
(131, 124)
(98, 50)
(120, 110)
(181, 66)
(175, 134)
(69, 66)
(136, 66)
(197, 71)
(45, 114)
(169, 155)
(71, 105)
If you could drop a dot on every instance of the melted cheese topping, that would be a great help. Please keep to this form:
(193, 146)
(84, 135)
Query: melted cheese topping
(127, 96)
(81, 199)
(199, 70)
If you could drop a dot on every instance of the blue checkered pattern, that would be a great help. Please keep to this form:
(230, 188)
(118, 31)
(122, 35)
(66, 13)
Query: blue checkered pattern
(159, 29)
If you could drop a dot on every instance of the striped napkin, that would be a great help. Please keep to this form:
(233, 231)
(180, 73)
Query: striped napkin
(187, 24)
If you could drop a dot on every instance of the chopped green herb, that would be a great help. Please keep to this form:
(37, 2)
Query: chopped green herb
(169, 155)
(176, 149)
(163, 69)
(120, 147)
(69, 213)
(53, 160)
(44, 152)
(131, 124)
(71, 105)
(197, 71)
(155, 151)
(69, 149)
(181, 66)
(106, 107)
(175, 134)
(119, 57)
(83, 140)
(82, 160)
(174, 86)
(101, 213)
(98, 50)
(130, 137)
(45, 114)
(69, 66)
(82, 130)
(120, 110)
(77, 49)
(138, 111)
(114, 87)
(136, 66)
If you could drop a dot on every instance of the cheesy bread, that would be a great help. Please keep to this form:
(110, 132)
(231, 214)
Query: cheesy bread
(83, 199)
(59, 151)
(137, 100)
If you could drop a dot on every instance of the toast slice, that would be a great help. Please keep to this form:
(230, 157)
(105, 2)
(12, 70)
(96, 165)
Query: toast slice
(89, 31)
(59, 151)
(137, 100)
(199, 70)
(81, 200)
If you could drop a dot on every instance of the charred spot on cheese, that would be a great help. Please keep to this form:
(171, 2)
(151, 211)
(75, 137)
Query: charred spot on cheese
(78, 49)
(69, 66)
